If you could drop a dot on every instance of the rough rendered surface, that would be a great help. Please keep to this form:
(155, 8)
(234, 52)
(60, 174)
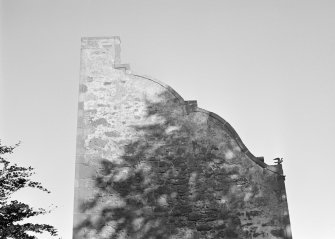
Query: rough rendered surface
(151, 165)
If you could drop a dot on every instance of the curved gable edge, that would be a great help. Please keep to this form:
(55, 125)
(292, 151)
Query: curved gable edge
(191, 106)
(169, 88)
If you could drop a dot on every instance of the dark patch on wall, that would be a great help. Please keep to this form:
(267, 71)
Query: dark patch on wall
(100, 121)
(278, 233)
(113, 133)
(82, 88)
(97, 143)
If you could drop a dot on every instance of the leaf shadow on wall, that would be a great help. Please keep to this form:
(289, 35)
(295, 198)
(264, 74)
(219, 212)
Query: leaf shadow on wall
(167, 185)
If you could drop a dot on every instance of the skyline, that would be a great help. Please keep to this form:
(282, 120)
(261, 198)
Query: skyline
(264, 66)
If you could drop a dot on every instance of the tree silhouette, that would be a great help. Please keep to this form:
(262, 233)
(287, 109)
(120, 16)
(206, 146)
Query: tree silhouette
(12, 212)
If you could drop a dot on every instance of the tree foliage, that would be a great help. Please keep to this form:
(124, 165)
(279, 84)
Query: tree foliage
(13, 212)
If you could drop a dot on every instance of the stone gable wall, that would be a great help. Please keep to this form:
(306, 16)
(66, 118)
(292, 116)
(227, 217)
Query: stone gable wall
(151, 165)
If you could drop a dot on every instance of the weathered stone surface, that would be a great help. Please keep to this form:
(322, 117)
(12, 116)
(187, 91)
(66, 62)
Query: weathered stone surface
(151, 165)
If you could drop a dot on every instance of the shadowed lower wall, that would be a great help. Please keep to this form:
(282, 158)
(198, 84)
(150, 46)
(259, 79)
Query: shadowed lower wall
(151, 165)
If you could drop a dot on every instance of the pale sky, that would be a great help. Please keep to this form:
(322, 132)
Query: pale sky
(267, 67)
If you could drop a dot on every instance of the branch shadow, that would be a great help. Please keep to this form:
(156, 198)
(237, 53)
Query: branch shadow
(166, 185)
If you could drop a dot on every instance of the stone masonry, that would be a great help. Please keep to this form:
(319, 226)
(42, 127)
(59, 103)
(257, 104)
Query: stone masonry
(151, 165)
